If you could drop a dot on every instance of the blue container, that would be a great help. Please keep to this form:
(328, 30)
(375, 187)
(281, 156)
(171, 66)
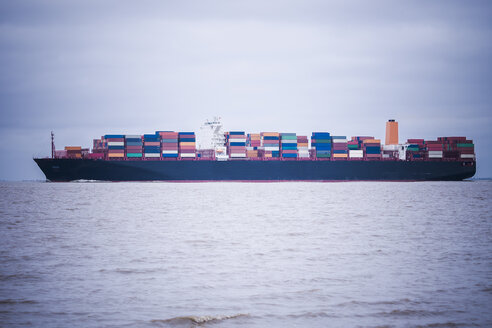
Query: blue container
(236, 133)
(116, 147)
(187, 139)
(113, 136)
(339, 137)
(289, 147)
(270, 138)
(322, 146)
(323, 152)
(289, 155)
(134, 143)
(373, 150)
(152, 149)
(320, 135)
(169, 155)
(169, 140)
(339, 151)
(237, 144)
(270, 145)
(133, 140)
(275, 153)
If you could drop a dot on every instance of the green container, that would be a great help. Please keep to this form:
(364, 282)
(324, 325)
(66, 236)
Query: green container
(413, 149)
(323, 156)
(133, 155)
(323, 140)
(465, 145)
(353, 147)
(288, 137)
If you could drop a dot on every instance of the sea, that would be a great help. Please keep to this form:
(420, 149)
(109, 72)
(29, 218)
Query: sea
(289, 254)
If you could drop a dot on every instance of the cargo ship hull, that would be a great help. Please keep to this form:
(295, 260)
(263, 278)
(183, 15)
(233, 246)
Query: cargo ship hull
(245, 170)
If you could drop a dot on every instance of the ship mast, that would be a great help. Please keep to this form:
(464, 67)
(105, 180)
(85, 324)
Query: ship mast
(52, 145)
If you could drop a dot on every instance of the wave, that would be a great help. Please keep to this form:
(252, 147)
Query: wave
(197, 320)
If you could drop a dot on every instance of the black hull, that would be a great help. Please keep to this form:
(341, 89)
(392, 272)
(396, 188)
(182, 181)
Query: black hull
(243, 170)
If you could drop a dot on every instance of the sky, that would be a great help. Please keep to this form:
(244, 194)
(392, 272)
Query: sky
(87, 68)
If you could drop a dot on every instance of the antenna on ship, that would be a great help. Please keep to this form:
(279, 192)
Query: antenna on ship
(52, 145)
(215, 127)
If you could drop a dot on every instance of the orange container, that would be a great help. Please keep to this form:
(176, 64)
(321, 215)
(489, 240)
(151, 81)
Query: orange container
(188, 143)
(73, 148)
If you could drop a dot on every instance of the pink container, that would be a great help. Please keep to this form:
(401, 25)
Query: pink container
(116, 151)
(95, 155)
(152, 143)
(187, 147)
(170, 147)
(289, 151)
(169, 135)
(115, 140)
(187, 151)
(133, 147)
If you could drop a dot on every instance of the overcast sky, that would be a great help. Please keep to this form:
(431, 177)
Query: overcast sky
(88, 68)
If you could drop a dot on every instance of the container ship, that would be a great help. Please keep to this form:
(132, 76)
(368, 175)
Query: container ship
(265, 156)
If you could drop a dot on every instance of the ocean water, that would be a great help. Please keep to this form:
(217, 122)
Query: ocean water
(351, 254)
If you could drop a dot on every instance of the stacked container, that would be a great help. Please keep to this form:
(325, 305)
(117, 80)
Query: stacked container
(187, 145)
(339, 147)
(116, 146)
(434, 149)
(303, 147)
(152, 146)
(270, 143)
(457, 148)
(133, 146)
(321, 141)
(253, 143)
(416, 150)
(288, 145)
(73, 151)
(354, 148)
(236, 144)
(169, 144)
(372, 149)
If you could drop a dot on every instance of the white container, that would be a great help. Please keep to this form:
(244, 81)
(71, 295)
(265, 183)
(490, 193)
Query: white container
(356, 153)
(339, 140)
(152, 155)
(272, 148)
(435, 153)
(467, 155)
(133, 136)
(169, 151)
(116, 143)
(435, 156)
(287, 141)
(237, 140)
(187, 155)
(236, 155)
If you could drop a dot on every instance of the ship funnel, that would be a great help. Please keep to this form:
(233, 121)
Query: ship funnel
(391, 132)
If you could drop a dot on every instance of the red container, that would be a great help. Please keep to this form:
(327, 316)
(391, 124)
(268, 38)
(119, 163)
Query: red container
(152, 143)
(95, 156)
(416, 141)
(116, 151)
